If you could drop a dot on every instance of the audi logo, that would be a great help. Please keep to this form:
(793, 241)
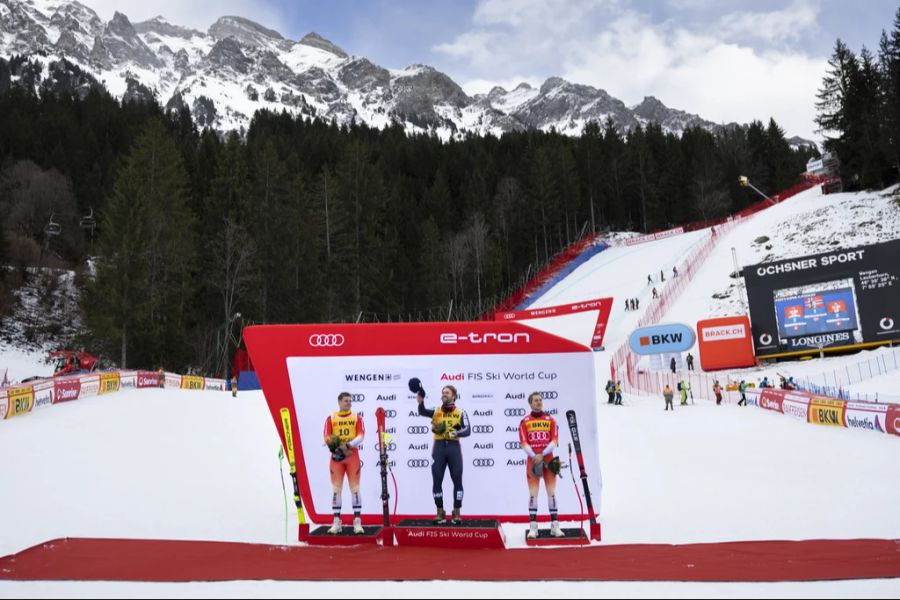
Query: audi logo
(391, 446)
(417, 463)
(513, 445)
(417, 429)
(514, 412)
(326, 340)
(357, 397)
(482, 429)
(483, 462)
(765, 339)
(886, 323)
(390, 414)
(549, 395)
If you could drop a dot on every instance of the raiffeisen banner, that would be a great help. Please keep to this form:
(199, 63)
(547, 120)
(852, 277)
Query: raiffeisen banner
(659, 339)
(493, 365)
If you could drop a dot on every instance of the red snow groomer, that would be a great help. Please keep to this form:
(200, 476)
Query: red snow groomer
(66, 362)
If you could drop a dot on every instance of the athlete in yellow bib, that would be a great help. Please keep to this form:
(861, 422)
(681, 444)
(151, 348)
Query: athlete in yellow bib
(344, 432)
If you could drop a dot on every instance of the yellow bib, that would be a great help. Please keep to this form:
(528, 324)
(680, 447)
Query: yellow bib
(451, 419)
(343, 426)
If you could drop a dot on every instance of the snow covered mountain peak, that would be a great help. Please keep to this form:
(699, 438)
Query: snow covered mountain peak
(239, 66)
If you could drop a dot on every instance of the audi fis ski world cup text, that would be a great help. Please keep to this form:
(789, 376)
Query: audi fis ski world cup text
(500, 376)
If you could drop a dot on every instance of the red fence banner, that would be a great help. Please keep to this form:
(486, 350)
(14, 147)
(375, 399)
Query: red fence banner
(652, 237)
(602, 305)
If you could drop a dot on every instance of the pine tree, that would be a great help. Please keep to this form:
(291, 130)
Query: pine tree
(143, 284)
(832, 116)
(889, 61)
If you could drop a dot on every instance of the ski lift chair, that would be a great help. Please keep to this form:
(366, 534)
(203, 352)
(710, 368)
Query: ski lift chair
(52, 228)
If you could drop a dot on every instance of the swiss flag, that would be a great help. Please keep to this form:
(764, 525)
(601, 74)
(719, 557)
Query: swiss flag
(837, 306)
(794, 310)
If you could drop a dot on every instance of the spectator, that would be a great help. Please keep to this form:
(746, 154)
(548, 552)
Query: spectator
(717, 390)
(690, 361)
(672, 365)
(683, 389)
(667, 394)
(742, 388)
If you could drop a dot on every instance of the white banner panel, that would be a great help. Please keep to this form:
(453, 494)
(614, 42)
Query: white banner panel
(493, 390)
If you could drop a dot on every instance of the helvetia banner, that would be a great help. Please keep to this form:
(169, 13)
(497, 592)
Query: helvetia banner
(835, 299)
(493, 366)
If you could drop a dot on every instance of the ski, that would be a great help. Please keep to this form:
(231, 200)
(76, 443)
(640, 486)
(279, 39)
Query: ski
(289, 441)
(383, 455)
(576, 440)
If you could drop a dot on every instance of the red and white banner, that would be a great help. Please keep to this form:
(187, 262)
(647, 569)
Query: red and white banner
(493, 365)
(66, 388)
(893, 419)
(651, 237)
(725, 343)
(147, 379)
(603, 306)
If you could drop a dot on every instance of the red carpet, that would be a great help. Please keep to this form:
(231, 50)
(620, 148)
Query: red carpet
(163, 560)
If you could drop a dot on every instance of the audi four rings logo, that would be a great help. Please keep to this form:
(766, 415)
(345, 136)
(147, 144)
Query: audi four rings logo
(391, 446)
(417, 429)
(483, 462)
(514, 412)
(513, 445)
(765, 339)
(886, 323)
(549, 395)
(326, 340)
(417, 463)
(357, 397)
(390, 413)
(482, 429)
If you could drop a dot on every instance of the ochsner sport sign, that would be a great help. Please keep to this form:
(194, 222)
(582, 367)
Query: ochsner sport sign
(493, 365)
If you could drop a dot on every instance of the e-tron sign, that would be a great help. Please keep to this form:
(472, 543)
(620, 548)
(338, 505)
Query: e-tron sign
(842, 298)
(658, 339)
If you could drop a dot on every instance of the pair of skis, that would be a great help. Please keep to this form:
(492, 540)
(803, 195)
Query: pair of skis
(289, 443)
(576, 440)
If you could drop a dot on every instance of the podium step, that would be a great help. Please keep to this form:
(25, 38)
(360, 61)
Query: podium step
(320, 536)
(469, 533)
(575, 536)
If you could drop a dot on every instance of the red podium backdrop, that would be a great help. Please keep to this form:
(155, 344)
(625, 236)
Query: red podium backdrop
(493, 365)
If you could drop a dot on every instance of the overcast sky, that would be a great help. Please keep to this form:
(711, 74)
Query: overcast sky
(726, 60)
